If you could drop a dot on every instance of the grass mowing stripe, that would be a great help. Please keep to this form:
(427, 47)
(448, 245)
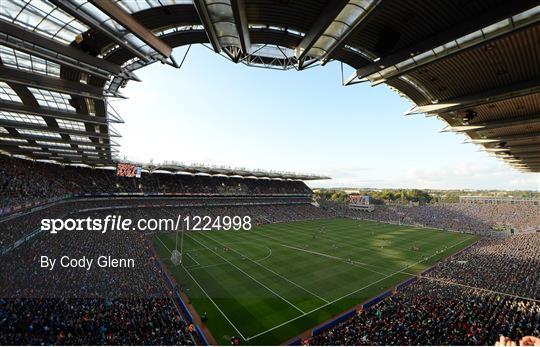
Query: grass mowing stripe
(326, 255)
(428, 235)
(266, 319)
(332, 257)
(159, 238)
(197, 267)
(387, 276)
(248, 275)
(205, 293)
(195, 260)
(271, 271)
(212, 301)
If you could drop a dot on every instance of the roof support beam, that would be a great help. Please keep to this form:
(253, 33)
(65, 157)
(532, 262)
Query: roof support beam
(204, 15)
(17, 38)
(100, 151)
(74, 9)
(241, 21)
(517, 149)
(498, 124)
(506, 10)
(50, 83)
(42, 155)
(36, 127)
(321, 24)
(523, 156)
(46, 111)
(485, 97)
(343, 37)
(55, 140)
(226, 26)
(513, 151)
(127, 21)
(509, 138)
(528, 161)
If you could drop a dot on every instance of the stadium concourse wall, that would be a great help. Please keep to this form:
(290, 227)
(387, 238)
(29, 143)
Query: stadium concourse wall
(30, 208)
(31, 205)
(333, 322)
(4, 211)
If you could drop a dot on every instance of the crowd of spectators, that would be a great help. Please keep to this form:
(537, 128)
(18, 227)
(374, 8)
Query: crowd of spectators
(509, 265)
(471, 218)
(521, 217)
(101, 305)
(472, 298)
(17, 226)
(434, 313)
(491, 288)
(24, 181)
(109, 305)
(22, 278)
(94, 321)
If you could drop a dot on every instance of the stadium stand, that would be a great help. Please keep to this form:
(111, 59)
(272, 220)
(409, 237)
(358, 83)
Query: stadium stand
(452, 286)
(473, 64)
(479, 219)
(23, 182)
(491, 289)
(114, 306)
(120, 306)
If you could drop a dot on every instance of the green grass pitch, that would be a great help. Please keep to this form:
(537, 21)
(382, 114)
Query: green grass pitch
(276, 281)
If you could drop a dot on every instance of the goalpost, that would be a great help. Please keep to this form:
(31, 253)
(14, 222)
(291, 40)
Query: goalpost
(176, 255)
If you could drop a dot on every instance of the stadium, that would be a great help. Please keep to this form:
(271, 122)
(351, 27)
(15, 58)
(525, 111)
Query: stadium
(97, 249)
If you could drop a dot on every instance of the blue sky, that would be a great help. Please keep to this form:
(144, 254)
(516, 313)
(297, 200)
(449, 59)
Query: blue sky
(212, 111)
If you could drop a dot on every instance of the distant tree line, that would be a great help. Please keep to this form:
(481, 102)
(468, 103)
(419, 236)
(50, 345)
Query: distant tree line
(406, 196)
(379, 197)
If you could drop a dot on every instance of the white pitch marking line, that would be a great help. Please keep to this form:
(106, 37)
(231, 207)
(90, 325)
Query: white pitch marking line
(205, 293)
(159, 238)
(352, 262)
(320, 307)
(245, 273)
(270, 270)
(209, 298)
(195, 267)
(195, 260)
(346, 295)
(267, 256)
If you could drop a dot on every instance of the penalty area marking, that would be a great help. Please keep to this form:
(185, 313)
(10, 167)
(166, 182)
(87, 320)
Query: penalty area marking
(216, 305)
(315, 309)
(205, 293)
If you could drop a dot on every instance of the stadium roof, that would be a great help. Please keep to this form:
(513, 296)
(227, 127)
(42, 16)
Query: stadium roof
(228, 171)
(472, 63)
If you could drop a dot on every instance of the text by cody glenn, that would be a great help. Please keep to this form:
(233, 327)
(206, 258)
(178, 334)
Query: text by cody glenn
(85, 262)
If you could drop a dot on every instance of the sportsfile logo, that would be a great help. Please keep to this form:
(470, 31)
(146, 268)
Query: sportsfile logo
(109, 223)
(119, 223)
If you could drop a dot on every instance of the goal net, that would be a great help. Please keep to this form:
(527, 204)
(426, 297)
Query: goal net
(176, 257)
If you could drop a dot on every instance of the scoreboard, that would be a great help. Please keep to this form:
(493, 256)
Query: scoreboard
(128, 170)
(360, 202)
